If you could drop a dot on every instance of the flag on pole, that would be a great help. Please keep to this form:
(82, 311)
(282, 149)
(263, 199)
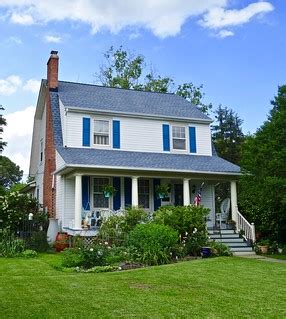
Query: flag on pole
(198, 197)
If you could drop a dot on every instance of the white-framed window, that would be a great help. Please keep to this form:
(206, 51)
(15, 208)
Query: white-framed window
(99, 200)
(144, 193)
(101, 132)
(179, 137)
(41, 150)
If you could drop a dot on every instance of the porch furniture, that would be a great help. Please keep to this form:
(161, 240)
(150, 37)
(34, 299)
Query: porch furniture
(222, 217)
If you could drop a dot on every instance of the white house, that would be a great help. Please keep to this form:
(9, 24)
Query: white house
(87, 136)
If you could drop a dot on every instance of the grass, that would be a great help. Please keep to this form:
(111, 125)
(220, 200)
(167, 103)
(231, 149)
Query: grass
(227, 287)
(277, 256)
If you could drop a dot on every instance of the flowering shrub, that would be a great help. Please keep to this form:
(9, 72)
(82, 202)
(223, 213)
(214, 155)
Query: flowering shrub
(184, 219)
(153, 244)
(193, 242)
(16, 207)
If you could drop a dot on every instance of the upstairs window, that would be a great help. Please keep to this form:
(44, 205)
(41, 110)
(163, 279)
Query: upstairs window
(41, 150)
(179, 137)
(101, 132)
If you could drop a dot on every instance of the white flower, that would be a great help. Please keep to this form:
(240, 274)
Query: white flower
(91, 249)
(186, 233)
(106, 243)
(119, 268)
(195, 230)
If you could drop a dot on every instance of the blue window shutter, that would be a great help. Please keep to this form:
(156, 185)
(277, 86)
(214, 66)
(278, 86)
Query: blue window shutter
(117, 195)
(127, 191)
(85, 192)
(116, 134)
(85, 131)
(193, 144)
(157, 201)
(166, 137)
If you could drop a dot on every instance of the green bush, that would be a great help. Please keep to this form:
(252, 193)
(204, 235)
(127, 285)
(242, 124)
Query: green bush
(219, 249)
(184, 219)
(194, 242)
(116, 228)
(153, 244)
(29, 253)
(9, 245)
(72, 257)
(38, 241)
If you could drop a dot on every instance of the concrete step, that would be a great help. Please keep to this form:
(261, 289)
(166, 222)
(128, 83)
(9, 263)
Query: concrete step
(222, 231)
(241, 249)
(230, 240)
(224, 236)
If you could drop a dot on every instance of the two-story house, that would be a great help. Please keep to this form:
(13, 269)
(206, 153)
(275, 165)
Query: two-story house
(88, 136)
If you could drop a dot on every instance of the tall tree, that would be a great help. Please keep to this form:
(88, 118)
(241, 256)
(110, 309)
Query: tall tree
(227, 134)
(10, 173)
(127, 71)
(263, 188)
(2, 123)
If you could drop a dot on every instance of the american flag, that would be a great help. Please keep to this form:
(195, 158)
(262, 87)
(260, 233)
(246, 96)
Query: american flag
(198, 197)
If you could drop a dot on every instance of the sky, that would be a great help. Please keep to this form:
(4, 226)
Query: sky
(235, 48)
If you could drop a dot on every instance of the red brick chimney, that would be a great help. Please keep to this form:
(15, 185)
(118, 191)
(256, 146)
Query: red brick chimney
(53, 71)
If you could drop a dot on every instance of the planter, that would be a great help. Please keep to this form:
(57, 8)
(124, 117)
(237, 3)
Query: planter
(62, 241)
(107, 194)
(280, 250)
(161, 196)
(263, 249)
(206, 252)
(52, 230)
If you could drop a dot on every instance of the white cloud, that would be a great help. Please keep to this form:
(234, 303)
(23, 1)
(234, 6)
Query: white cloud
(52, 39)
(163, 17)
(18, 134)
(15, 40)
(10, 85)
(134, 35)
(22, 18)
(225, 33)
(220, 18)
(32, 86)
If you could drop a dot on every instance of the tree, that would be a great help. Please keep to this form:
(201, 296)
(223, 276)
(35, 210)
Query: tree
(227, 134)
(128, 71)
(263, 187)
(2, 123)
(10, 173)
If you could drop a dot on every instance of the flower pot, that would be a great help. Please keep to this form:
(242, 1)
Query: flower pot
(263, 249)
(161, 196)
(280, 250)
(61, 241)
(107, 194)
(52, 230)
(206, 252)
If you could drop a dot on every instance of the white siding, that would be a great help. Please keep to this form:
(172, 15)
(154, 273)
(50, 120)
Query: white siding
(137, 134)
(69, 198)
(60, 193)
(63, 121)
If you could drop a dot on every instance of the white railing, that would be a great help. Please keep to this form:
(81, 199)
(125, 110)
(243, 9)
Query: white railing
(247, 228)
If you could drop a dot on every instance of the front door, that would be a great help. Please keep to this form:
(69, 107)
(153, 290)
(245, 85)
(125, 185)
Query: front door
(178, 192)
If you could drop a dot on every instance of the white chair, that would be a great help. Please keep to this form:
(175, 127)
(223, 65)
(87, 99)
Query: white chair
(222, 217)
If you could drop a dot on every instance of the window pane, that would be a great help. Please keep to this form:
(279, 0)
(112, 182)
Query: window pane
(101, 126)
(179, 144)
(143, 193)
(178, 132)
(99, 201)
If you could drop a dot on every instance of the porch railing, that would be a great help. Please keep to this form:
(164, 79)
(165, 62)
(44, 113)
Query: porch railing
(247, 228)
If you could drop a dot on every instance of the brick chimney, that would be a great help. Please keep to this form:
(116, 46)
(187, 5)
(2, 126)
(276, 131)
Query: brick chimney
(52, 72)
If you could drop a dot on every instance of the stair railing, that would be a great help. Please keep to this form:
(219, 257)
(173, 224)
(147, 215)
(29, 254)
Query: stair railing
(247, 228)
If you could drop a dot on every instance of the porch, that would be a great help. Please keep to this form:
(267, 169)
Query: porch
(83, 204)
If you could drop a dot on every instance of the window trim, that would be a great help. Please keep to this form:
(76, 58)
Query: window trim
(41, 150)
(110, 199)
(109, 132)
(186, 138)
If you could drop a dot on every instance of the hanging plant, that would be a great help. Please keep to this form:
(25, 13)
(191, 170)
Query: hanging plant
(162, 190)
(108, 190)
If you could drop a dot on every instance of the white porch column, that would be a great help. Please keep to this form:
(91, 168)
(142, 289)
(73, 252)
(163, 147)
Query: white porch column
(78, 202)
(186, 191)
(134, 190)
(233, 198)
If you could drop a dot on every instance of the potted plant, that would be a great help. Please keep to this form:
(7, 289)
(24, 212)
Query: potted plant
(162, 190)
(108, 190)
(231, 224)
(263, 246)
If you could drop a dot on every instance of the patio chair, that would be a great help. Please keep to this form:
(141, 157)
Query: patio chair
(222, 217)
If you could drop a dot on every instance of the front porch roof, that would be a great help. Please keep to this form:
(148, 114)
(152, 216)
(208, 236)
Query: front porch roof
(115, 159)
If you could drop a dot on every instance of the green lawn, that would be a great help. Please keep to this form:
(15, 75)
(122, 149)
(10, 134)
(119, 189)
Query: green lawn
(277, 256)
(228, 287)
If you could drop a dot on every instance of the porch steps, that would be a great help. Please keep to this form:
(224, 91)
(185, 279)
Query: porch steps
(228, 237)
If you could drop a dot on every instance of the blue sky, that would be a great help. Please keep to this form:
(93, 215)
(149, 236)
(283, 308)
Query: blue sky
(236, 49)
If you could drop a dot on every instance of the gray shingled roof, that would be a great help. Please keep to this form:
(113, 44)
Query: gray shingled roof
(94, 97)
(153, 161)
